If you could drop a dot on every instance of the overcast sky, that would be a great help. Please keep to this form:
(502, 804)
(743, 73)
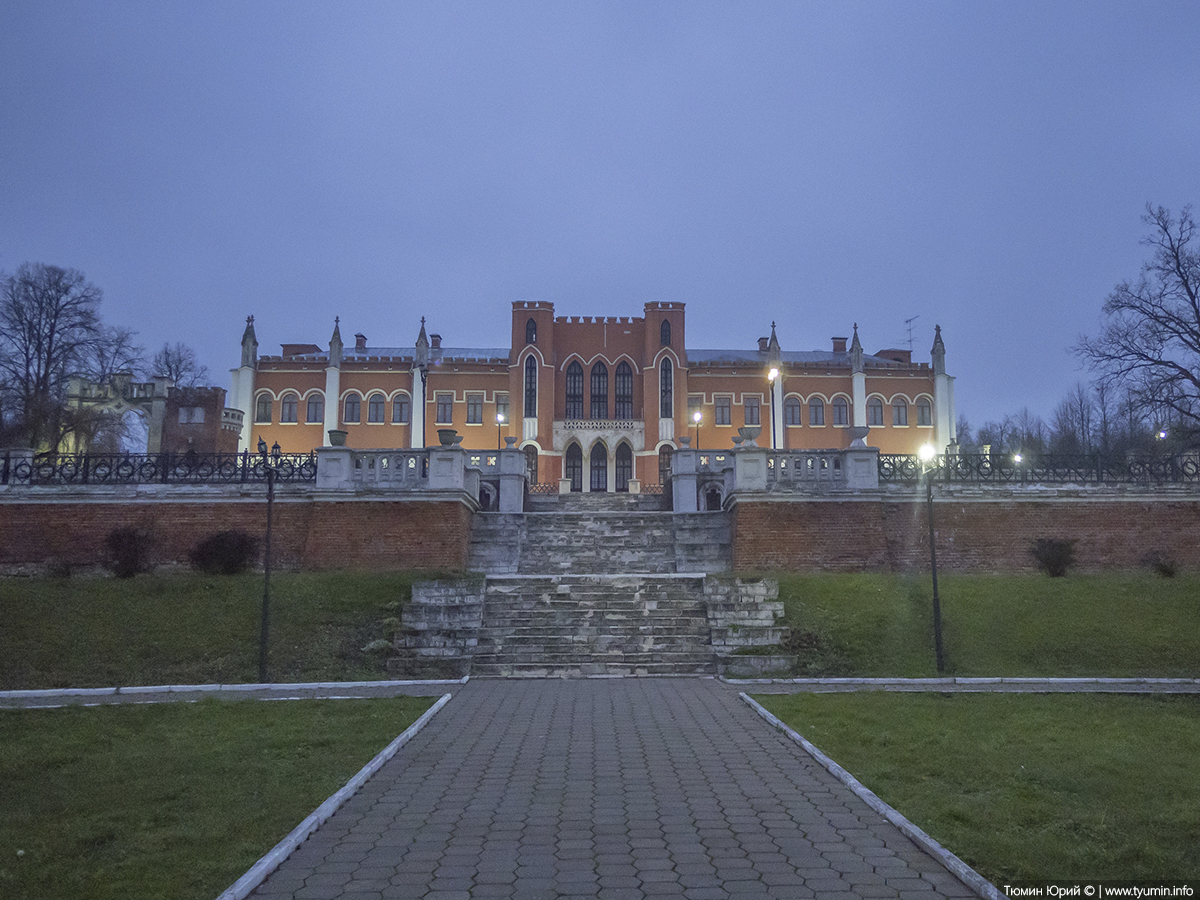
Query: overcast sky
(979, 166)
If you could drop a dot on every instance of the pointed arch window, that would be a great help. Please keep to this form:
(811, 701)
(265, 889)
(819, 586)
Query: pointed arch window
(666, 404)
(624, 390)
(573, 467)
(664, 333)
(574, 390)
(624, 467)
(599, 469)
(530, 387)
(599, 406)
(664, 464)
(531, 332)
(531, 464)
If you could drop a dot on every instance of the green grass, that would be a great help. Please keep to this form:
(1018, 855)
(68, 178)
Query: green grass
(187, 628)
(1127, 625)
(1026, 787)
(173, 800)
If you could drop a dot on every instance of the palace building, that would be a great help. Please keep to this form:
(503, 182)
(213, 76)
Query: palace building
(599, 401)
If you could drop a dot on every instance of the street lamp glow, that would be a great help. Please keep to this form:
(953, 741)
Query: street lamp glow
(927, 453)
(696, 417)
(773, 374)
(499, 418)
(1016, 457)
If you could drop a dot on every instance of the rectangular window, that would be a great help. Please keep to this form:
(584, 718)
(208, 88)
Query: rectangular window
(262, 411)
(191, 415)
(752, 405)
(445, 409)
(474, 409)
(502, 407)
(695, 402)
(401, 411)
(288, 408)
(316, 410)
(899, 413)
(816, 411)
(722, 415)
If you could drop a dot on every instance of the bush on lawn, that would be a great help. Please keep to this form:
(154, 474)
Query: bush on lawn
(225, 553)
(1054, 555)
(128, 551)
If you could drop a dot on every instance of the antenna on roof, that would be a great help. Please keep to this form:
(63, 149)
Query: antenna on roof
(908, 324)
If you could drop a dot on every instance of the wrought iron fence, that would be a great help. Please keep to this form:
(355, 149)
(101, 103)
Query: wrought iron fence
(154, 468)
(982, 468)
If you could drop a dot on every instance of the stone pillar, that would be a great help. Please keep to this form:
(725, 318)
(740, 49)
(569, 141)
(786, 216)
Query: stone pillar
(333, 401)
(512, 481)
(750, 470)
(335, 468)
(447, 469)
(684, 463)
(861, 468)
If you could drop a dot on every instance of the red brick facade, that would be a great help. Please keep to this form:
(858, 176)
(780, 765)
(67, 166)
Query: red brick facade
(306, 534)
(973, 535)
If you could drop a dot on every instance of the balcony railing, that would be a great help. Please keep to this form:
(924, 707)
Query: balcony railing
(151, 468)
(1082, 469)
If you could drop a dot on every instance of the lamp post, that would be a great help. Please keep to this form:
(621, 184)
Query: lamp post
(696, 424)
(927, 469)
(271, 465)
(499, 425)
(771, 376)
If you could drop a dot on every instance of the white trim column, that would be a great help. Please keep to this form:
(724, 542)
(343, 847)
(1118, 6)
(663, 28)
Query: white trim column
(859, 401)
(243, 399)
(333, 401)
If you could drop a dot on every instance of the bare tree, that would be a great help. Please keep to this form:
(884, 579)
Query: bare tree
(49, 330)
(178, 362)
(116, 352)
(1150, 340)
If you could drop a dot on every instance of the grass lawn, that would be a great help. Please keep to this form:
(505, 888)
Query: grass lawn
(1127, 624)
(187, 628)
(173, 800)
(1026, 787)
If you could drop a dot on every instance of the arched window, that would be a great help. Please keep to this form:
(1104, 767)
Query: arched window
(531, 464)
(375, 408)
(530, 387)
(599, 404)
(664, 333)
(531, 332)
(664, 464)
(666, 403)
(573, 467)
(624, 386)
(262, 409)
(289, 408)
(899, 411)
(791, 411)
(401, 410)
(841, 411)
(816, 411)
(924, 412)
(875, 412)
(352, 412)
(574, 390)
(315, 414)
(599, 468)
(624, 466)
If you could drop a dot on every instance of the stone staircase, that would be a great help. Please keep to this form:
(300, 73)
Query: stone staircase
(597, 587)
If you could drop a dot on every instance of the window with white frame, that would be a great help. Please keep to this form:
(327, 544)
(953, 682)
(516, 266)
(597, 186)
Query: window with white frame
(722, 411)
(375, 404)
(791, 411)
(289, 408)
(191, 415)
(315, 413)
(445, 408)
(352, 409)
(474, 409)
(753, 407)
(899, 411)
(262, 410)
(875, 412)
(841, 411)
(401, 409)
(924, 412)
(816, 411)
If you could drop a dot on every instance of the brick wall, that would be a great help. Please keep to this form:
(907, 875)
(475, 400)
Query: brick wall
(305, 534)
(973, 534)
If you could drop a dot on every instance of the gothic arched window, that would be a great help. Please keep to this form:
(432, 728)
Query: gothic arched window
(531, 464)
(599, 468)
(574, 390)
(530, 387)
(624, 386)
(599, 408)
(664, 333)
(666, 405)
(624, 466)
(573, 467)
(664, 464)
(531, 332)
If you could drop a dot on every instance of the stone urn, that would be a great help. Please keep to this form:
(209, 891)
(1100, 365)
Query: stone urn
(749, 433)
(337, 437)
(446, 437)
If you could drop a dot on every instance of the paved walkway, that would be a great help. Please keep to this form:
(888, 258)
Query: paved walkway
(618, 789)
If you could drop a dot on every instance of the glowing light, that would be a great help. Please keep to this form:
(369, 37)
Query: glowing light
(1016, 457)
(773, 374)
(499, 418)
(696, 417)
(927, 453)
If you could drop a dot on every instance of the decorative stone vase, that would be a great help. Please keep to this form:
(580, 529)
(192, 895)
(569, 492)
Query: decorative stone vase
(749, 433)
(337, 437)
(446, 437)
(510, 442)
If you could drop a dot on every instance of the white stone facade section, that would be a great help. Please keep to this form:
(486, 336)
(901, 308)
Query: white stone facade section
(588, 431)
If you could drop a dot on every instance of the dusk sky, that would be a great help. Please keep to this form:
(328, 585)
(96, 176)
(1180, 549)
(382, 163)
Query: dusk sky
(979, 166)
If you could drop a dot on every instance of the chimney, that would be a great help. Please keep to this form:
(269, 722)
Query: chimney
(839, 345)
(435, 342)
(763, 343)
(360, 343)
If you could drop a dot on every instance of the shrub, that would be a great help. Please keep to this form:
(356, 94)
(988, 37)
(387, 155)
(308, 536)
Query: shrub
(1054, 555)
(225, 553)
(128, 551)
(1161, 563)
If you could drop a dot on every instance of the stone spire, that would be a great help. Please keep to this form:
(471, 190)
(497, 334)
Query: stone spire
(938, 353)
(773, 352)
(335, 344)
(249, 345)
(422, 346)
(856, 352)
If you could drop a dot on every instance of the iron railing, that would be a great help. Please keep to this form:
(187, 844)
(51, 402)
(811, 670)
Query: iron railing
(153, 468)
(982, 468)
